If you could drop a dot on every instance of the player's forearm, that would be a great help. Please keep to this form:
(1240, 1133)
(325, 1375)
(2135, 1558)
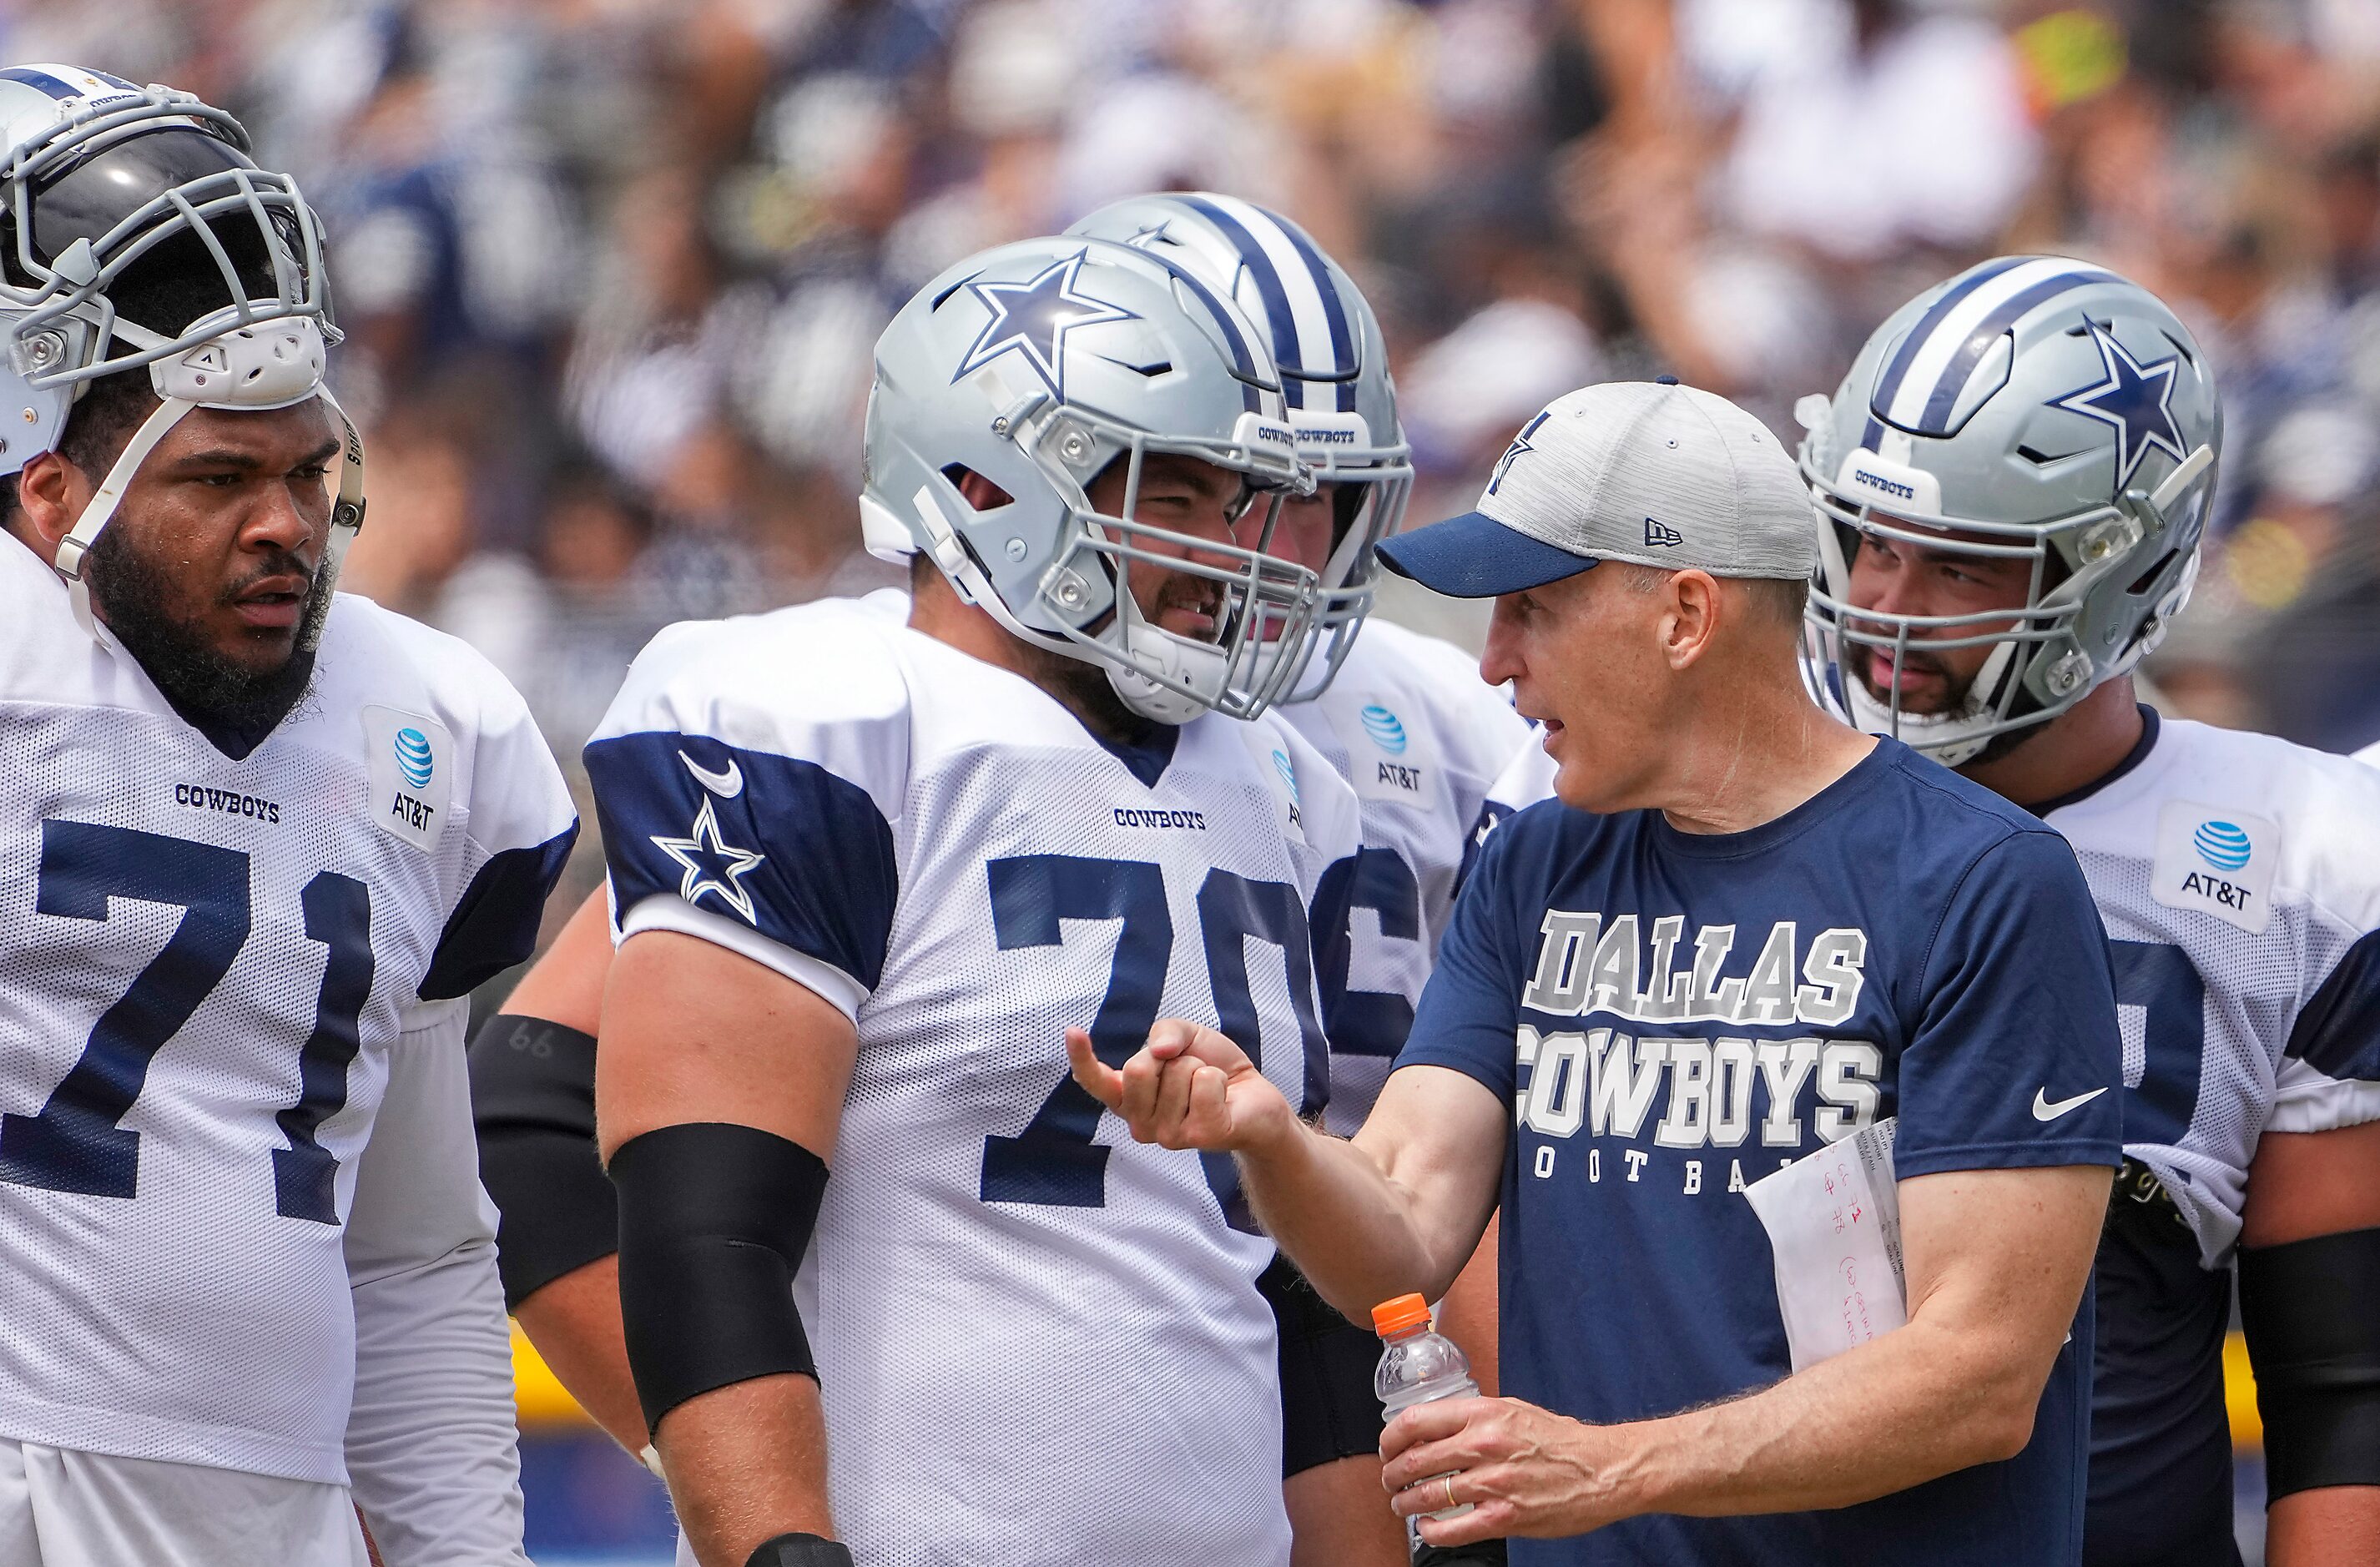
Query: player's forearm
(747, 1462)
(1353, 1233)
(575, 1323)
(1902, 1409)
(2334, 1527)
(1468, 1313)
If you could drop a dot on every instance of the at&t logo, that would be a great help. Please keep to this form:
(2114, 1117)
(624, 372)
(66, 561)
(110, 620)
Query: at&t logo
(1385, 730)
(1288, 775)
(415, 761)
(2222, 845)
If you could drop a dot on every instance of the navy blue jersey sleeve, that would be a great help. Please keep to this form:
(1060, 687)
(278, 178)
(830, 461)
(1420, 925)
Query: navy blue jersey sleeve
(798, 855)
(746, 779)
(495, 922)
(2014, 1060)
(2338, 1030)
(1470, 1008)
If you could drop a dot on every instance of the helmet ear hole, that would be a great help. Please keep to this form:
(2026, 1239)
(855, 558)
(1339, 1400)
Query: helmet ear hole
(2148, 580)
(975, 490)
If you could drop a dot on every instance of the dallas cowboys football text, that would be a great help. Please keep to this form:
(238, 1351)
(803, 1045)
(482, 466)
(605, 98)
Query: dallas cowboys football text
(1607, 1082)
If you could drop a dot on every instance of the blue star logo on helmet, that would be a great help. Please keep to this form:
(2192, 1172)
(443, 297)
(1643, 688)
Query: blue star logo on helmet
(2223, 844)
(1032, 319)
(2135, 398)
(414, 758)
(1385, 730)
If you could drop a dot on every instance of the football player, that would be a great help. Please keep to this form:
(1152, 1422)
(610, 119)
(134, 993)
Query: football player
(2013, 484)
(1408, 722)
(864, 871)
(259, 844)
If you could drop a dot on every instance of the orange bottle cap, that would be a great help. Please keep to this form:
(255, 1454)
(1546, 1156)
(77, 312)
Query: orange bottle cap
(1396, 1315)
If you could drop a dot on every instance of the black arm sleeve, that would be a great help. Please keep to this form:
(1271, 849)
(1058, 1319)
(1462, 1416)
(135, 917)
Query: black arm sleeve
(533, 1098)
(715, 1220)
(2314, 1337)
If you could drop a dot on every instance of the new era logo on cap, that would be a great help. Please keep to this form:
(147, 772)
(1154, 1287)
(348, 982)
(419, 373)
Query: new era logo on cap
(1650, 473)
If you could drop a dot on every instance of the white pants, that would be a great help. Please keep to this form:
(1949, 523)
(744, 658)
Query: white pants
(61, 1508)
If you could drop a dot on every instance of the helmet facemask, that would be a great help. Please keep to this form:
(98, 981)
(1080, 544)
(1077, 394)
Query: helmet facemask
(1375, 483)
(2044, 660)
(1340, 403)
(136, 234)
(1266, 609)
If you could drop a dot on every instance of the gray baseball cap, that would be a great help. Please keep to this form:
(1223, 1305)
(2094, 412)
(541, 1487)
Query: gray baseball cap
(1647, 471)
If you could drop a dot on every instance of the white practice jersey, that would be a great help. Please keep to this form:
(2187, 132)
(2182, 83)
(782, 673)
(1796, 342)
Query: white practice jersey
(205, 963)
(1528, 777)
(1036, 1340)
(1410, 724)
(2238, 876)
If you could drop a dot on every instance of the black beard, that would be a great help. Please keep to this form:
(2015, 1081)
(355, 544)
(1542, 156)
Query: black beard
(1997, 746)
(235, 707)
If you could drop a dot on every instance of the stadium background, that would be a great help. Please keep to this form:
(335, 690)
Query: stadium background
(611, 271)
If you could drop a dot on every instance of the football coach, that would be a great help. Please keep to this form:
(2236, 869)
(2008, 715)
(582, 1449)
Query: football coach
(1742, 932)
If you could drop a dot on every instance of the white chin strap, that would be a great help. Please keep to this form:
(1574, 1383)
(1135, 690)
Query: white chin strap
(1198, 665)
(246, 368)
(1950, 738)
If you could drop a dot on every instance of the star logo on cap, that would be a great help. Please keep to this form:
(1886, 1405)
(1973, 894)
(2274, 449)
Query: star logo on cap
(711, 864)
(1033, 317)
(2135, 398)
(1520, 445)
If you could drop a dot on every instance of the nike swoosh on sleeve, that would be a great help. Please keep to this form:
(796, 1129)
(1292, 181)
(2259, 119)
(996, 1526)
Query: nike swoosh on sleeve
(726, 785)
(2044, 1109)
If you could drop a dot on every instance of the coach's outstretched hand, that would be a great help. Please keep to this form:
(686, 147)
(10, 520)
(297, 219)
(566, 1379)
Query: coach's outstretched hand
(1188, 1088)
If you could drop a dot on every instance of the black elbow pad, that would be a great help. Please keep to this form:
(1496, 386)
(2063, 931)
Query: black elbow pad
(533, 1102)
(2311, 1311)
(714, 1219)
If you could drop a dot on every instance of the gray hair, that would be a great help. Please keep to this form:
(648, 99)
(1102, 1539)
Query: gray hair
(1785, 598)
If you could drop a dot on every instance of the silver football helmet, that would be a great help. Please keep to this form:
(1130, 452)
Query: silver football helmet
(135, 232)
(1037, 364)
(1334, 376)
(2031, 408)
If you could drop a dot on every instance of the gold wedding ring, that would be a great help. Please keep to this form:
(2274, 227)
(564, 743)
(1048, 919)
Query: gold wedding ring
(1450, 1502)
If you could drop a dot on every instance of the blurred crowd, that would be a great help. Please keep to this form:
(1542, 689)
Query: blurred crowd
(611, 270)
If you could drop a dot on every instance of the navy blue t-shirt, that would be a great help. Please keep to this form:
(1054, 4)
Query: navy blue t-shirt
(1675, 1015)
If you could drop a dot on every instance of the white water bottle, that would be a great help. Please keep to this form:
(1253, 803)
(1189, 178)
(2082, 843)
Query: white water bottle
(1418, 1364)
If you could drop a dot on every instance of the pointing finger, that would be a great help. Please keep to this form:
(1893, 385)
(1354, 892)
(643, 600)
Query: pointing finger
(1100, 1080)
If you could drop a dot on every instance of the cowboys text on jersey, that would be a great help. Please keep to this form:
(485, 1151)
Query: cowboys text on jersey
(205, 964)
